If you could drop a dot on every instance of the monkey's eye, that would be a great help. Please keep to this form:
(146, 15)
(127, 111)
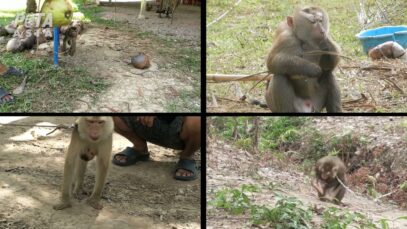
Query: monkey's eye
(307, 10)
(101, 122)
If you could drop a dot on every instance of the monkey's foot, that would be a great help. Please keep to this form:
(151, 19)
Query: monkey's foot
(94, 204)
(61, 206)
(326, 199)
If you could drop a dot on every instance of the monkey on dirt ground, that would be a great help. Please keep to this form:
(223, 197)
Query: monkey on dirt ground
(327, 170)
(91, 137)
(302, 60)
(168, 7)
(70, 34)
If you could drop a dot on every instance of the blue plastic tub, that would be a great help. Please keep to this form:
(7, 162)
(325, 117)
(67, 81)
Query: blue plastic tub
(373, 37)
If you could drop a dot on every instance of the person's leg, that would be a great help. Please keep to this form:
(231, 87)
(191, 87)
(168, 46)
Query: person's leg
(139, 144)
(191, 135)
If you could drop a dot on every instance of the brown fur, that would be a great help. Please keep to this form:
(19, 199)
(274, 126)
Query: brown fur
(300, 78)
(327, 170)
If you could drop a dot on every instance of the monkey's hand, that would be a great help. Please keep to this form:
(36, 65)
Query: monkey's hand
(328, 62)
(293, 65)
(62, 205)
(317, 185)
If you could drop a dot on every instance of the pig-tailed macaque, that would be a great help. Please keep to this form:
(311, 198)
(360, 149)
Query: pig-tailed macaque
(168, 7)
(303, 79)
(91, 137)
(327, 170)
(70, 34)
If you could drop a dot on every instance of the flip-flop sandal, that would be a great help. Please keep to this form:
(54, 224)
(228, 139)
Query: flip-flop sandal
(13, 72)
(132, 156)
(4, 93)
(188, 165)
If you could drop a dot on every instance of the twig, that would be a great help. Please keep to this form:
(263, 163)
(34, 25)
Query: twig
(234, 77)
(224, 14)
(56, 127)
(346, 187)
(374, 101)
(395, 85)
(388, 194)
(247, 92)
(319, 52)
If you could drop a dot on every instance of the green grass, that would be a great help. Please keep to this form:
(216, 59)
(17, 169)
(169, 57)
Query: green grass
(184, 101)
(241, 40)
(48, 89)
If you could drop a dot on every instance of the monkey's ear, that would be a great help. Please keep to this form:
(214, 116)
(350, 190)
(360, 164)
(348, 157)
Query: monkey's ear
(290, 21)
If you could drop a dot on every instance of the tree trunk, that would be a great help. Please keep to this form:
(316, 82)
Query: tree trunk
(256, 134)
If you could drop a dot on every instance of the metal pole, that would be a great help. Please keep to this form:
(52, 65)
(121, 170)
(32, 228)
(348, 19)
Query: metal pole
(56, 44)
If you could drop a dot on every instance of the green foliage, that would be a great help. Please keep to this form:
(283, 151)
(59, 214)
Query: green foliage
(316, 146)
(288, 212)
(403, 186)
(274, 130)
(335, 218)
(371, 191)
(244, 143)
(234, 201)
(280, 130)
(224, 126)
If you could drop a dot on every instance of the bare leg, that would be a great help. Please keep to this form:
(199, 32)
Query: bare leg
(79, 176)
(68, 177)
(139, 144)
(102, 167)
(191, 135)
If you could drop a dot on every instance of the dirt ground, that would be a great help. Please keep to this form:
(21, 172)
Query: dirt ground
(140, 196)
(106, 52)
(231, 167)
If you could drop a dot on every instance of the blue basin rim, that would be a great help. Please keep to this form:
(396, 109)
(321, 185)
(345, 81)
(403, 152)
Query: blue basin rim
(389, 31)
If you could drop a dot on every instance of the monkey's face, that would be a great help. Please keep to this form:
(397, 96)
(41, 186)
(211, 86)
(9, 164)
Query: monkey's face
(311, 25)
(95, 128)
(328, 172)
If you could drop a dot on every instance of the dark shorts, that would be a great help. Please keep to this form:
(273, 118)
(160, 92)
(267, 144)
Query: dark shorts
(163, 132)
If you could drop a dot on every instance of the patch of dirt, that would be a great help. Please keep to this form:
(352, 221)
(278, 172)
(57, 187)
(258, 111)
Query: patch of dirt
(140, 196)
(186, 24)
(230, 167)
(106, 52)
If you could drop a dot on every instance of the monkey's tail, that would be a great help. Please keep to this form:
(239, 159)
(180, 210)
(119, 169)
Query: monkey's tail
(258, 103)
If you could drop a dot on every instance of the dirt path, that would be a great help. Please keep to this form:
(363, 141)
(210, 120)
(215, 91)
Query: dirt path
(141, 196)
(106, 52)
(231, 167)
